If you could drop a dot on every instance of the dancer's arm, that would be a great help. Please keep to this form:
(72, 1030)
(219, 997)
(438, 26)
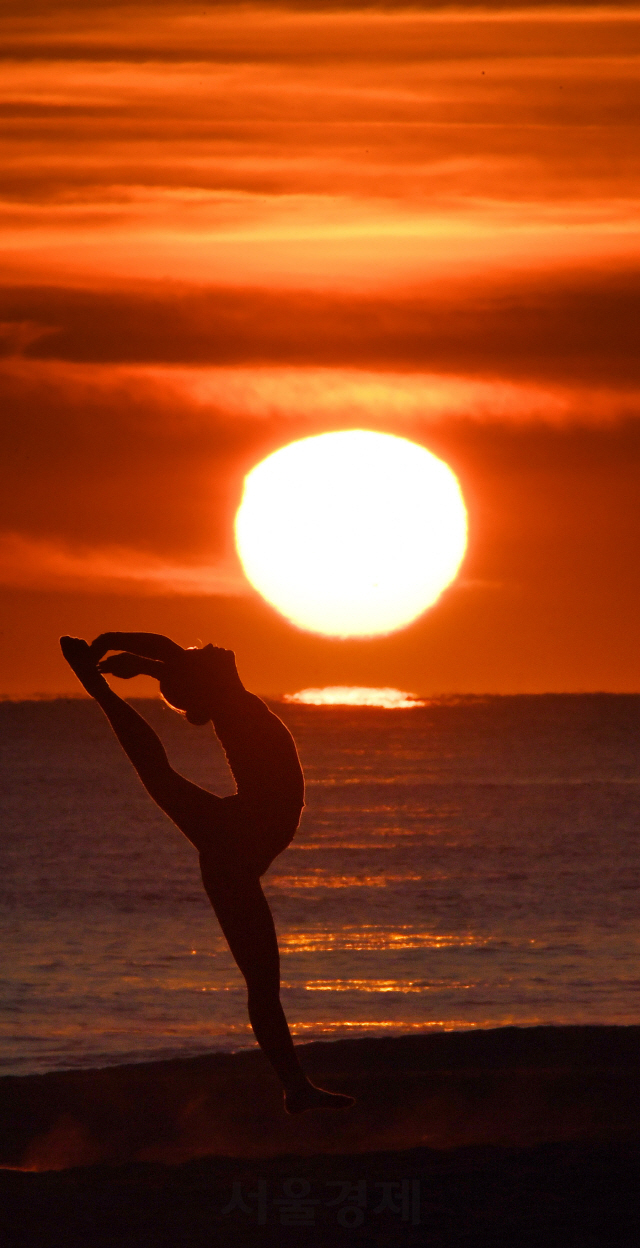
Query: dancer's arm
(149, 645)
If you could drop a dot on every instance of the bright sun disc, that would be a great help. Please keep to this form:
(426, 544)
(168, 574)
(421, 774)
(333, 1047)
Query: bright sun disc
(351, 534)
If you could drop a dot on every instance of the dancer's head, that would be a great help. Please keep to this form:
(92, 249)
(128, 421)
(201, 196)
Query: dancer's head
(198, 680)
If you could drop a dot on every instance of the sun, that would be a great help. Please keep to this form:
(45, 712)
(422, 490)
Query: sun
(351, 534)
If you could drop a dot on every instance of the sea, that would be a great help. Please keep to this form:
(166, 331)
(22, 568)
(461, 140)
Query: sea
(471, 862)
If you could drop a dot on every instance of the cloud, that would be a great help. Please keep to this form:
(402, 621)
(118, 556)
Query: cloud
(94, 455)
(281, 31)
(122, 477)
(340, 397)
(248, 144)
(562, 327)
(26, 563)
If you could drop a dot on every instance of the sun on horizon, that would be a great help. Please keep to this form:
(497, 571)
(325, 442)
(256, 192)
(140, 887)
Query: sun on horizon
(351, 534)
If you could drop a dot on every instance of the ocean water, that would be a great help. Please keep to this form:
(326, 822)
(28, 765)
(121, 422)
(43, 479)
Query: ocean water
(469, 863)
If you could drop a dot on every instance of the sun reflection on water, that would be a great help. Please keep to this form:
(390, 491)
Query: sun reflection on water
(399, 1025)
(379, 985)
(319, 879)
(355, 695)
(373, 937)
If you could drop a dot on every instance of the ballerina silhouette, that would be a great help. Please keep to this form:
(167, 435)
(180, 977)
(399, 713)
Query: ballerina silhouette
(237, 837)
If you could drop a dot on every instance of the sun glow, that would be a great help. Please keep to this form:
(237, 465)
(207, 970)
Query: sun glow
(351, 534)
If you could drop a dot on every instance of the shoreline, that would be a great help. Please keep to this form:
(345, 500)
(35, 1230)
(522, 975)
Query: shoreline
(475, 1139)
(513, 1087)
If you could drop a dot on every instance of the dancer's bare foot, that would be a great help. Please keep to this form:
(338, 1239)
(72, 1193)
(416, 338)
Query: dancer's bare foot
(302, 1095)
(80, 660)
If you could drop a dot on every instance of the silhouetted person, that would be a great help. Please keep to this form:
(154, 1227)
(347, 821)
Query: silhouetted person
(237, 837)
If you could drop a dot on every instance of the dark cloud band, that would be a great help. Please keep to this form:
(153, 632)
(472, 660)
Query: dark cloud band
(561, 327)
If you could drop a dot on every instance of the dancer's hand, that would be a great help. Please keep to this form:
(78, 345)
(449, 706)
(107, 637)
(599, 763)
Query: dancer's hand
(150, 645)
(123, 665)
(128, 665)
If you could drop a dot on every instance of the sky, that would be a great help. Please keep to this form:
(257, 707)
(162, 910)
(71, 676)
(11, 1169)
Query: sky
(225, 228)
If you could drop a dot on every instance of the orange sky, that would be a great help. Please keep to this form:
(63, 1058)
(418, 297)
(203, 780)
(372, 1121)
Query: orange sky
(226, 227)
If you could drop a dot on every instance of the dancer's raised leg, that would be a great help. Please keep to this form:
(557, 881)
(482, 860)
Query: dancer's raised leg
(190, 807)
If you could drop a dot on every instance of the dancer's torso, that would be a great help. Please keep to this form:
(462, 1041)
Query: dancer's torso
(262, 756)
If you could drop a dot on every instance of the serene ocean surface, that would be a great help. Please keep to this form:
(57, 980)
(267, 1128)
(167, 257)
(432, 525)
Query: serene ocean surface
(461, 864)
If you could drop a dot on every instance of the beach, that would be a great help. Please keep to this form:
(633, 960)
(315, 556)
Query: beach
(458, 926)
(528, 1134)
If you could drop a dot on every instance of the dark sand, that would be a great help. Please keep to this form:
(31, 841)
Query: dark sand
(514, 1136)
